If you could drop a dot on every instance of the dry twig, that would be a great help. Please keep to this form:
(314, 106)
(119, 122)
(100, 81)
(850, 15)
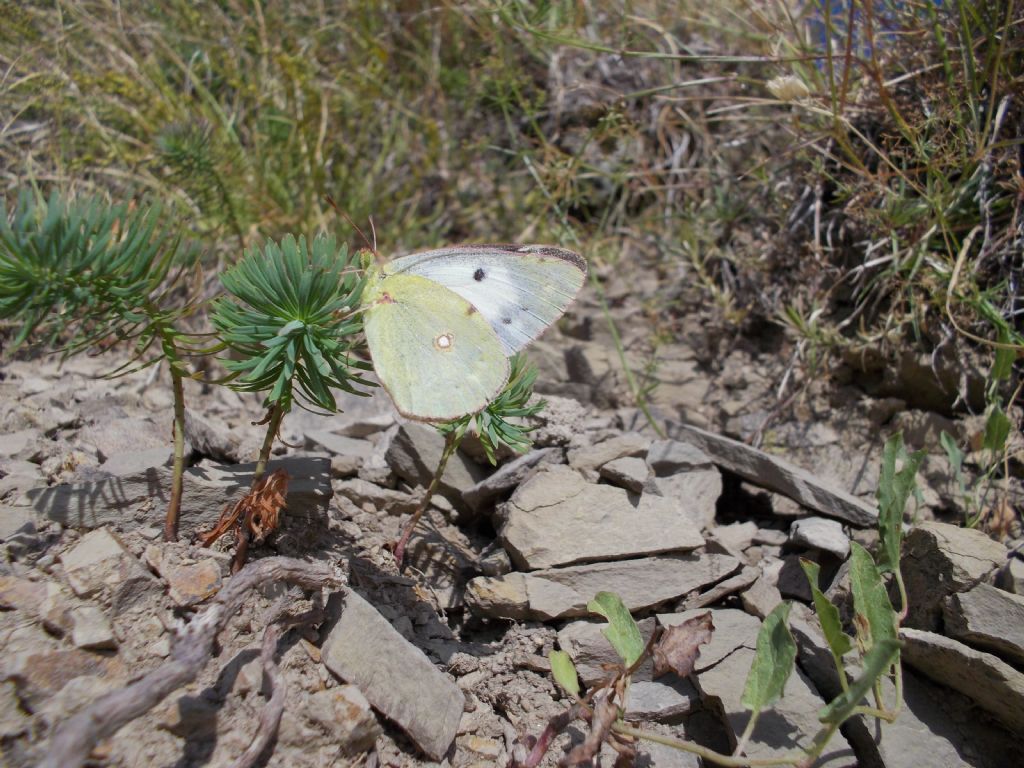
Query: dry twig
(76, 737)
(270, 717)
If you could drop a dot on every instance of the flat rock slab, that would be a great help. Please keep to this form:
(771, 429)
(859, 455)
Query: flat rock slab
(564, 592)
(940, 560)
(99, 564)
(988, 618)
(820, 533)
(508, 476)
(985, 679)
(589, 459)
(664, 701)
(396, 677)
(558, 518)
(780, 476)
(143, 496)
(693, 494)
(790, 723)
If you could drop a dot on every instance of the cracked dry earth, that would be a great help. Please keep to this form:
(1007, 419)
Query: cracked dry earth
(446, 663)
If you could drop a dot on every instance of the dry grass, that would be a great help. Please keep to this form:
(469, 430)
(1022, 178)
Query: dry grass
(853, 176)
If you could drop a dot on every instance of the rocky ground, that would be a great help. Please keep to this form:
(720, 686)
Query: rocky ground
(446, 663)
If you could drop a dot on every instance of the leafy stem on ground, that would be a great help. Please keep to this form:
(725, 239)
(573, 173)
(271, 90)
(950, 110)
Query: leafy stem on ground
(290, 319)
(501, 423)
(874, 634)
(87, 275)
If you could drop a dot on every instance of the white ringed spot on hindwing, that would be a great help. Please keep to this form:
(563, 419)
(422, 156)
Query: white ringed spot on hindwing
(444, 341)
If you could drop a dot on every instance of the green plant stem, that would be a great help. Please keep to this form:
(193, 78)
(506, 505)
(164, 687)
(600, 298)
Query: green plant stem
(741, 745)
(273, 424)
(703, 752)
(178, 473)
(904, 605)
(451, 443)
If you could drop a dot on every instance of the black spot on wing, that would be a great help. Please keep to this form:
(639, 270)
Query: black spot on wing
(480, 274)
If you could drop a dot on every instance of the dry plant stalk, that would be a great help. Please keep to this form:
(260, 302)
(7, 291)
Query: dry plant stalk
(258, 512)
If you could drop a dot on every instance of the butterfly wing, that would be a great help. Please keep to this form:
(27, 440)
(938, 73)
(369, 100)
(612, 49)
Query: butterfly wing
(434, 353)
(519, 289)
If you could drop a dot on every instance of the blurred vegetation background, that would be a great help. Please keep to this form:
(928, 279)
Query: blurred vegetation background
(849, 171)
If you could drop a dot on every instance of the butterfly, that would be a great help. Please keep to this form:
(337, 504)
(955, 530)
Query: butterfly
(442, 324)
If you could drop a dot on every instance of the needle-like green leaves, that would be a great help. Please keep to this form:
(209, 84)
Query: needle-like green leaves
(87, 272)
(493, 423)
(290, 318)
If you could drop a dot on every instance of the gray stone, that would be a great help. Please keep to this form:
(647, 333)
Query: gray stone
(395, 676)
(345, 714)
(15, 520)
(820, 533)
(131, 462)
(22, 594)
(339, 445)
(694, 494)
(589, 459)
(780, 476)
(761, 598)
(667, 457)
(565, 592)
(987, 618)
(940, 559)
(100, 564)
(13, 444)
(189, 581)
(43, 672)
(141, 499)
(792, 581)
(1011, 575)
(387, 500)
(557, 518)
(793, 720)
(125, 435)
(212, 438)
(91, 630)
(735, 537)
(747, 576)
(561, 423)
(922, 429)
(14, 720)
(933, 729)
(651, 754)
(508, 476)
(986, 679)
(414, 455)
(661, 701)
(591, 364)
(771, 537)
(590, 650)
(629, 472)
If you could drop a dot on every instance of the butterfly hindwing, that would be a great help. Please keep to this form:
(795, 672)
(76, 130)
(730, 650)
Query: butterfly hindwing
(519, 289)
(436, 355)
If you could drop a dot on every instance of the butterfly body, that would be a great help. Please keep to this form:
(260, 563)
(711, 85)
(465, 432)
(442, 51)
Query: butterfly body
(441, 324)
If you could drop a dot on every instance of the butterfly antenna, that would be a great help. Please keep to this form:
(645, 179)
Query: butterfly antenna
(347, 218)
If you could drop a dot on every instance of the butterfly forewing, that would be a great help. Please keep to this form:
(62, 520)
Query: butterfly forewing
(434, 353)
(519, 289)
